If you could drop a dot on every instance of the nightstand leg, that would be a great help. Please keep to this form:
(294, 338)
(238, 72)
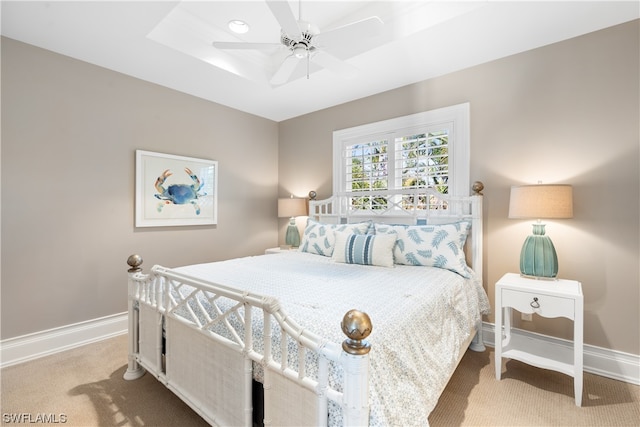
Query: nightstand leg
(578, 355)
(577, 388)
(507, 326)
(498, 339)
(578, 350)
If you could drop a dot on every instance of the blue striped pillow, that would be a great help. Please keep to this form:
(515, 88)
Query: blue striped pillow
(364, 249)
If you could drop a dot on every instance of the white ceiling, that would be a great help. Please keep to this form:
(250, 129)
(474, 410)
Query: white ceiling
(169, 43)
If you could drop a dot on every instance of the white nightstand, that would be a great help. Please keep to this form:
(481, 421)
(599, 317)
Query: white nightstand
(277, 250)
(547, 298)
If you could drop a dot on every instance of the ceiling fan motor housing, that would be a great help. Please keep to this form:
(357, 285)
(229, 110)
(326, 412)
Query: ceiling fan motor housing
(302, 47)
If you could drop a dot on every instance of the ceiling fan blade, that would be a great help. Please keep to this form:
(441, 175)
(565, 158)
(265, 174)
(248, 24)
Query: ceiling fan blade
(283, 13)
(243, 45)
(369, 27)
(285, 71)
(334, 64)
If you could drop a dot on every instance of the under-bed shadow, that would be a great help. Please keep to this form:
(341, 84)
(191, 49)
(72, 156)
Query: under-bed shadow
(141, 402)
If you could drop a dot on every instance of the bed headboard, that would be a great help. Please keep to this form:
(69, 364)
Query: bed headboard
(418, 206)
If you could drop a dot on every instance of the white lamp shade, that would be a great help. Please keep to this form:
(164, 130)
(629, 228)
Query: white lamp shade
(541, 201)
(291, 207)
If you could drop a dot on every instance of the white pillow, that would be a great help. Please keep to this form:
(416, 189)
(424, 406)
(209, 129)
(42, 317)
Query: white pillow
(365, 249)
(437, 245)
(319, 238)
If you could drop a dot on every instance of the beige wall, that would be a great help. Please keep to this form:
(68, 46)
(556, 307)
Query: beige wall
(565, 113)
(69, 135)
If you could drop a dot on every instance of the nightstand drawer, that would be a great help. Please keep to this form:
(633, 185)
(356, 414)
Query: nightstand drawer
(542, 304)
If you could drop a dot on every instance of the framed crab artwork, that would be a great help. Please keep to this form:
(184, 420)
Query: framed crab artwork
(175, 190)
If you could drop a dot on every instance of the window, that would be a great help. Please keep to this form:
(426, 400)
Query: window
(429, 149)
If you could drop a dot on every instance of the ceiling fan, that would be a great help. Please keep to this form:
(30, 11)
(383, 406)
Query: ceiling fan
(307, 44)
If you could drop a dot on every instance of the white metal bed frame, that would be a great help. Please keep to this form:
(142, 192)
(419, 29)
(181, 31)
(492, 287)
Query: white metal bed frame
(212, 371)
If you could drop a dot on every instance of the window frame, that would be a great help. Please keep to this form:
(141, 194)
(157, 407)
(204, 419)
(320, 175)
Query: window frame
(455, 117)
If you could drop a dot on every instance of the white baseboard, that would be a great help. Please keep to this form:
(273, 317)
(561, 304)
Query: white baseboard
(39, 344)
(597, 360)
(608, 363)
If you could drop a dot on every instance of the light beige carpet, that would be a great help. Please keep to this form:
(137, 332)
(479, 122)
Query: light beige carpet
(529, 396)
(84, 387)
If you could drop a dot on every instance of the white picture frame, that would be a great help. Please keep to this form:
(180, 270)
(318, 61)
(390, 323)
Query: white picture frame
(175, 190)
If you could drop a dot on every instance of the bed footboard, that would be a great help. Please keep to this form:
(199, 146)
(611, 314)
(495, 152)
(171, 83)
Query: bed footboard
(203, 342)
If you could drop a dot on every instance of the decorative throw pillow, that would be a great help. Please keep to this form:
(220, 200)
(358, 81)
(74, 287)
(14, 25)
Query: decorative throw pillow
(437, 245)
(365, 249)
(319, 238)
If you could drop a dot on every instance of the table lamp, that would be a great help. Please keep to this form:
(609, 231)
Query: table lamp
(292, 208)
(538, 257)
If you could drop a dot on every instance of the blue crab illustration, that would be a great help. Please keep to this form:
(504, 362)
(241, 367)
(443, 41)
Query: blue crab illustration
(179, 194)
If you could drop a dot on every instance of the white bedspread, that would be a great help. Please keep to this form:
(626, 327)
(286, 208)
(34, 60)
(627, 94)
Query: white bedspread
(420, 316)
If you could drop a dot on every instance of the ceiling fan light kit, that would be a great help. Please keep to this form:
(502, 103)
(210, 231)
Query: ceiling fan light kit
(303, 40)
(300, 51)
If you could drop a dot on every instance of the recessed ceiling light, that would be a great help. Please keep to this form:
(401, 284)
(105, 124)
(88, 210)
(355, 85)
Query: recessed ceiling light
(238, 26)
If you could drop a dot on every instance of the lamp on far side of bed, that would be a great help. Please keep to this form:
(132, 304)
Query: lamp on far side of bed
(291, 208)
(538, 258)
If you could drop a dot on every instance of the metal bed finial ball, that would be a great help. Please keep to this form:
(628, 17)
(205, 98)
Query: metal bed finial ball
(134, 261)
(477, 187)
(312, 195)
(357, 326)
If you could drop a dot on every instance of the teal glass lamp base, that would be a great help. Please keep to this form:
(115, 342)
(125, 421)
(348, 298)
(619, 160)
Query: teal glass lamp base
(538, 258)
(292, 238)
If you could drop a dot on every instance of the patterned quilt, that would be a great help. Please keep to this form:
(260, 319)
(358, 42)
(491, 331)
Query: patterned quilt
(420, 315)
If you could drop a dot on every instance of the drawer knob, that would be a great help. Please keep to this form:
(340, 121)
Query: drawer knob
(535, 303)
